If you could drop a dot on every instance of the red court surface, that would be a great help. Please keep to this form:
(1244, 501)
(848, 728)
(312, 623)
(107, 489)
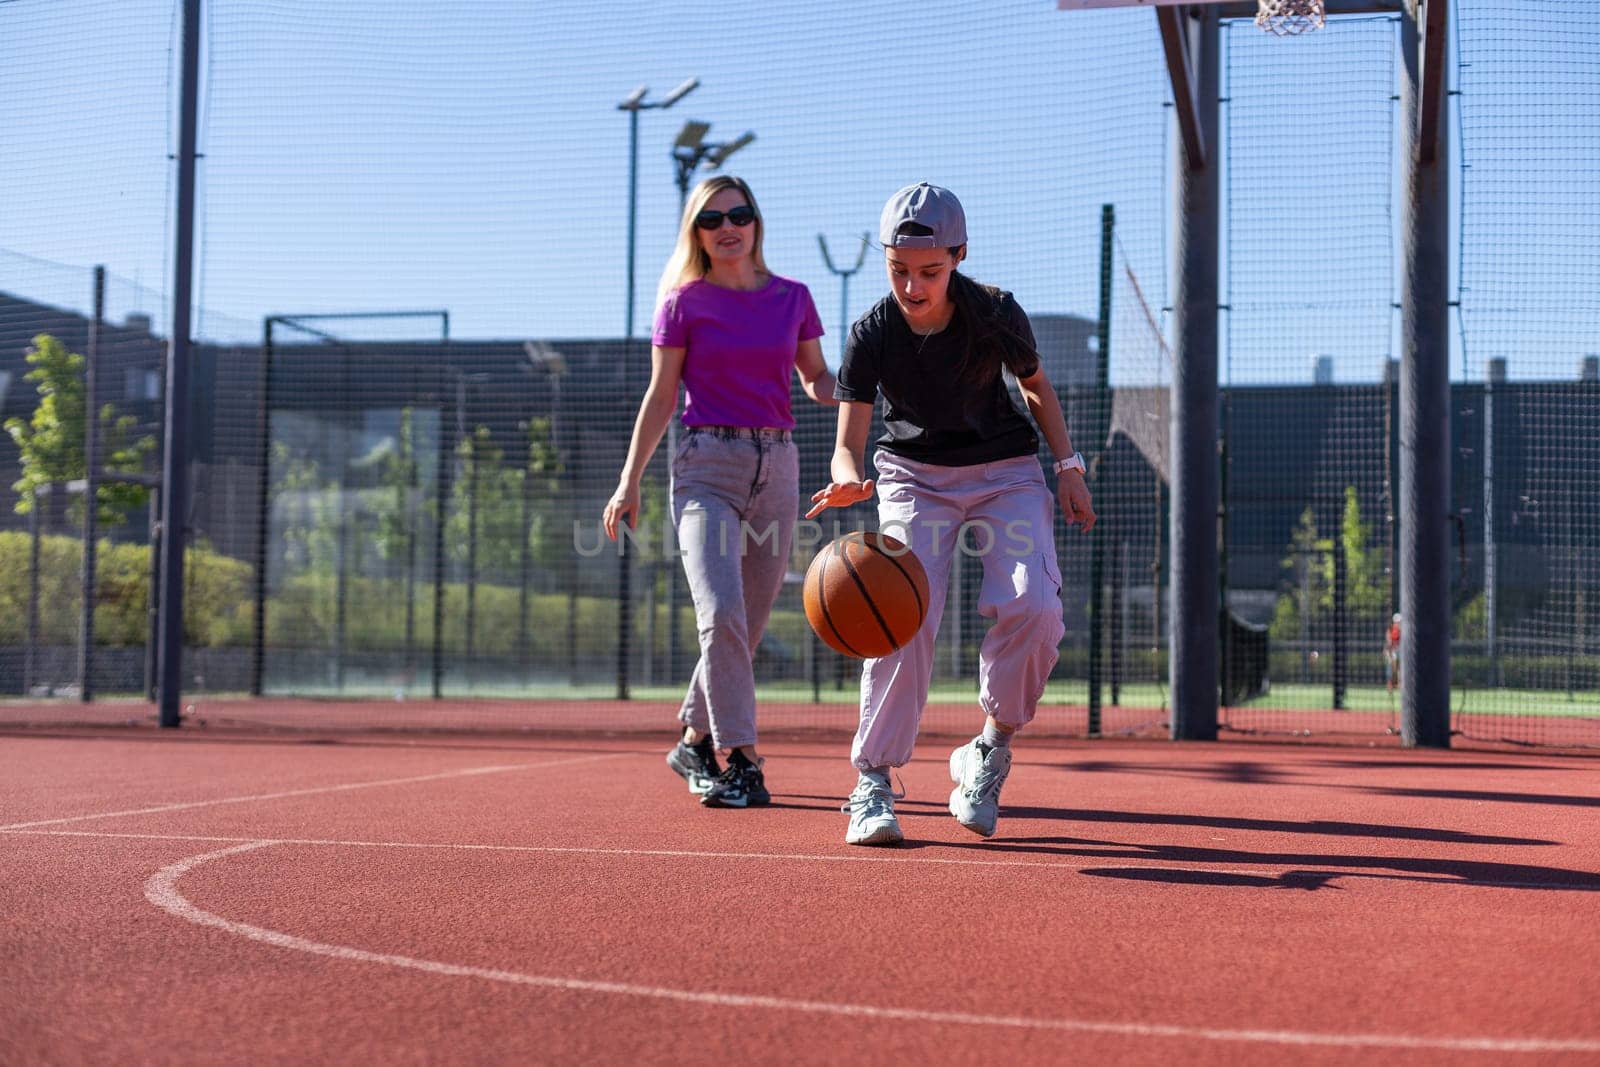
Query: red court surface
(238, 898)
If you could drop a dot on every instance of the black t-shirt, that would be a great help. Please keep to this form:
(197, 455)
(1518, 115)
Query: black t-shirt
(928, 415)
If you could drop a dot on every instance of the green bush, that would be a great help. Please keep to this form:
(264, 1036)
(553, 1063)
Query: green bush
(304, 614)
(217, 595)
(59, 584)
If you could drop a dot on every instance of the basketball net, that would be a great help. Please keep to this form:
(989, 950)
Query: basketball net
(1289, 17)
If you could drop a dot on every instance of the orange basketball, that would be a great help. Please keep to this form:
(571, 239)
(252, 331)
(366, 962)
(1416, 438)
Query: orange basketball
(866, 594)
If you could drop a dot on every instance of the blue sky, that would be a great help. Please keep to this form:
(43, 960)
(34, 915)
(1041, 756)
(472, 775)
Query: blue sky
(369, 155)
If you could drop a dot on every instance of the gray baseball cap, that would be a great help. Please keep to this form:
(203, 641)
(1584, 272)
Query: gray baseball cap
(930, 206)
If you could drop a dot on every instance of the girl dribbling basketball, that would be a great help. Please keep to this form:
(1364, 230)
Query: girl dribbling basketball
(958, 458)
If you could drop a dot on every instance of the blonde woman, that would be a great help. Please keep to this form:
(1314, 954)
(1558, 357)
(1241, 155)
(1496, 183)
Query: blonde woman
(733, 334)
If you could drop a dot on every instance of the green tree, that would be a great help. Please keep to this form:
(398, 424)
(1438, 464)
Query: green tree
(1471, 622)
(1309, 586)
(544, 492)
(655, 519)
(308, 510)
(1366, 590)
(397, 508)
(393, 505)
(490, 494)
(1309, 583)
(51, 442)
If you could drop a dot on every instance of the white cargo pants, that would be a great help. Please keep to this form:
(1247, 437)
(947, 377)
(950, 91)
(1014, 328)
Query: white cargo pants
(1003, 513)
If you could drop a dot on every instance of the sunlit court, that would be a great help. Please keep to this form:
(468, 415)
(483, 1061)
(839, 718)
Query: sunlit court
(1036, 531)
(254, 897)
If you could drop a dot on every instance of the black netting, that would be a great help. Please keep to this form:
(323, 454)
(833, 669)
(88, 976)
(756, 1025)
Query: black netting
(420, 350)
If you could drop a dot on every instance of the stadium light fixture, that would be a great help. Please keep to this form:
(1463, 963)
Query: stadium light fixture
(634, 103)
(541, 354)
(719, 153)
(683, 90)
(691, 150)
(692, 134)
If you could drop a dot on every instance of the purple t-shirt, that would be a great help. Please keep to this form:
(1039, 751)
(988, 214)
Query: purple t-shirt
(739, 349)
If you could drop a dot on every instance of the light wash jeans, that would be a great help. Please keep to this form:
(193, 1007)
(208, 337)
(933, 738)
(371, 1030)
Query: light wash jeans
(1010, 516)
(735, 501)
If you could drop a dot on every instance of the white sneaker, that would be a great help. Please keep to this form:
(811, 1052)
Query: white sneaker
(871, 809)
(975, 801)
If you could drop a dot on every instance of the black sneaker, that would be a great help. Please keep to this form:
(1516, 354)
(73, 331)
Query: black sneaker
(695, 764)
(742, 785)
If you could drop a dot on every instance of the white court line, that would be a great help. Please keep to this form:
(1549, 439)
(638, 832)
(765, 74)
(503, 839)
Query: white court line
(312, 791)
(888, 855)
(162, 890)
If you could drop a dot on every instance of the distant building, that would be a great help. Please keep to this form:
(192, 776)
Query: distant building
(129, 376)
(130, 365)
(1067, 349)
(1288, 447)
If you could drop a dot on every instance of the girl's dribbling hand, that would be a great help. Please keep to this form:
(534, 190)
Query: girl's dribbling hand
(622, 507)
(840, 495)
(1073, 495)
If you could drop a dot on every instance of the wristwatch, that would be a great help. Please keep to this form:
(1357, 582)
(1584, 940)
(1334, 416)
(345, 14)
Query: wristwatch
(1073, 462)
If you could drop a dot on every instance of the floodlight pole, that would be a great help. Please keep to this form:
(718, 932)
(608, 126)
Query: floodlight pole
(258, 648)
(175, 460)
(1097, 548)
(844, 283)
(91, 491)
(634, 103)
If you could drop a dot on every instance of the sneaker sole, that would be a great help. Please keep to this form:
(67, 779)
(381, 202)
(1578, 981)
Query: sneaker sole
(882, 835)
(746, 801)
(975, 827)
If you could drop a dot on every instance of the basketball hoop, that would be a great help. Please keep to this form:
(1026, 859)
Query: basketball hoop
(1289, 17)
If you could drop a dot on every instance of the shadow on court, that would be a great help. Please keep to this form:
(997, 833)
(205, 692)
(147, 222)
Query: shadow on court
(1318, 827)
(1309, 881)
(1483, 873)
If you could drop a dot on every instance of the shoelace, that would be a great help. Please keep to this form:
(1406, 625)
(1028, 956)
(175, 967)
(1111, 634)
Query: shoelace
(741, 777)
(874, 800)
(988, 780)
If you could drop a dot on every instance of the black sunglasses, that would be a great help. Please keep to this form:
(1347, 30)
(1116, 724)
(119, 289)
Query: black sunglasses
(743, 215)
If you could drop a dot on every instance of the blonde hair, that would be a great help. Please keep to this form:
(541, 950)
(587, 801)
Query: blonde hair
(689, 262)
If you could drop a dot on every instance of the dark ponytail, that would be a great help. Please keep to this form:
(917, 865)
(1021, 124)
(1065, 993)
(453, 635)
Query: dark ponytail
(987, 339)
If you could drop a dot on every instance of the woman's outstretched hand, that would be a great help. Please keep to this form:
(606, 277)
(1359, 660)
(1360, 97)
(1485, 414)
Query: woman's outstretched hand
(840, 495)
